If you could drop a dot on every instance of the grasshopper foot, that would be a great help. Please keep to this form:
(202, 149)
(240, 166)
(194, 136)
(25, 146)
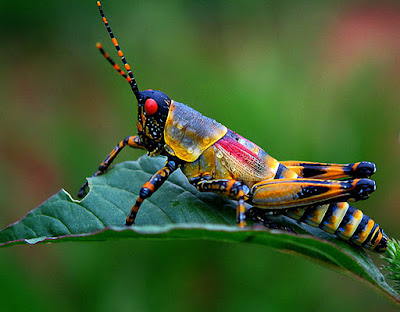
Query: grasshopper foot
(363, 188)
(82, 191)
(364, 169)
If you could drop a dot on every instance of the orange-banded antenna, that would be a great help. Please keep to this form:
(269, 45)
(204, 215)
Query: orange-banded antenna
(108, 58)
(130, 77)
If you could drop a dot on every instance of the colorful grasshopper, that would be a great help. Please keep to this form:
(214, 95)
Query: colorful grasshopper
(216, 159)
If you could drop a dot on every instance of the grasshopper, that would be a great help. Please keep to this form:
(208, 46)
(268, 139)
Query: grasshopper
(216, 159)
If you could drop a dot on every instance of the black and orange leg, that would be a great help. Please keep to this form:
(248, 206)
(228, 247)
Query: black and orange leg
(325, 171)
(151, 186)
(132, 141)
(290, 193)
(230, 188)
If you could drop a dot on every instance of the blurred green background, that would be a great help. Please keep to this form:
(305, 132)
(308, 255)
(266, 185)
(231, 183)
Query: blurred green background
(314, 80)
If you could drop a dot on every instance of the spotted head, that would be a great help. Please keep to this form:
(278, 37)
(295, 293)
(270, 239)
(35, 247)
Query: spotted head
(153, 106)
(153, 109)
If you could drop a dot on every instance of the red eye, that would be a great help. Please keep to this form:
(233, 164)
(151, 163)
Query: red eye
(150, 106)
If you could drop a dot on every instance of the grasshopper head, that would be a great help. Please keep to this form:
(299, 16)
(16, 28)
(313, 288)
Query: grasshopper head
(153, 108)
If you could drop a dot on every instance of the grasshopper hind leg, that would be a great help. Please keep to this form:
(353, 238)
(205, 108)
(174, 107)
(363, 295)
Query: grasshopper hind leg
(291, 193)
(326, 171)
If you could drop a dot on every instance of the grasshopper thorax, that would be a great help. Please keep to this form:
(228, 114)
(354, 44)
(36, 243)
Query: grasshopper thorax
(153, 108)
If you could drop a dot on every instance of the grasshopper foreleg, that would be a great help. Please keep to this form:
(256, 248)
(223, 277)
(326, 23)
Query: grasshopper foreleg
(132, 141)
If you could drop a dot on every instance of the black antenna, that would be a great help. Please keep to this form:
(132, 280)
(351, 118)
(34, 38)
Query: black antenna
(130, 77)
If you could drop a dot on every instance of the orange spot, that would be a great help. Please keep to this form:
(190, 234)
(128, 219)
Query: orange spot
(98, 3)
(143, 118)
(333, 222)
(135, 209)
(347, 229)
(364, 234)
(131, 141)
(241, 208)
(139, 200)
(229, 186)
(98, 45)
(105, 20)
(127, 67)
(129, 79)
(358, 214)
(242, 224)
(120, 53)
(318, 214)
(114, 40)
(149, 186)
(378, 239)
(117, 67)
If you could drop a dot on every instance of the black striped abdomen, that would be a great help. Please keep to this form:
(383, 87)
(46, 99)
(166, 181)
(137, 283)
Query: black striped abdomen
(344, 221)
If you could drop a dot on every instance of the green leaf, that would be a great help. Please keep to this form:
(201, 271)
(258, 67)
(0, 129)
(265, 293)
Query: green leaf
(177, 211)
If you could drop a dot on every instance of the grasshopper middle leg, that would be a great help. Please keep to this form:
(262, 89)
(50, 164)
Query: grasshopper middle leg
(231, 188)
(151, 186)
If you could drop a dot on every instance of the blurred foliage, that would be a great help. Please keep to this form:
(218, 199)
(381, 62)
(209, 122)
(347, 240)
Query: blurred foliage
(315, 80)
